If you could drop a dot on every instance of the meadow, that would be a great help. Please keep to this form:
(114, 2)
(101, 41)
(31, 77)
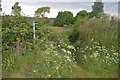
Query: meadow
(83, 50)
(84, 46)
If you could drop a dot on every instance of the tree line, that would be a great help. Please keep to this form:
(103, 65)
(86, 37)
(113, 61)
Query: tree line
(65, 17)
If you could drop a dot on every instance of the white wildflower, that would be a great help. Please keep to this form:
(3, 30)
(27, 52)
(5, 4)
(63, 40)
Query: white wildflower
(115, 53)
(63, 50)
(91, 56)
(92, 39)
(90, 48)
(95, 55)
(68, 52)
(107, 57)
(58, 45)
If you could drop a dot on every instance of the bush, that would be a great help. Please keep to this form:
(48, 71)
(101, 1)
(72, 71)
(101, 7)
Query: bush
(64, 18)
(15, 30)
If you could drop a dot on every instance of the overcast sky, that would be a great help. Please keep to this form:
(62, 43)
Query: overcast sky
(29, 6)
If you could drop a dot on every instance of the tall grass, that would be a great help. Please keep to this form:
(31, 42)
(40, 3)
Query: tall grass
(96, 40)
(98, 29)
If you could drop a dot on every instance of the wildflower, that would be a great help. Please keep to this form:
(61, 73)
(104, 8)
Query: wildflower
(68, 52)
(57, 67)
(78, 48)
(98, 43)
(91, 56)
(49, 76)
(58, 45)
(82, 51)
(54, 61)
(34, 71)
(71, 47)
(37, 61)
(115, 53)
(69, 59)
(95, 55)
(90, 48)
(103, 60)
(107, 57)
(63, 50)
(92, 39)
(56, 54)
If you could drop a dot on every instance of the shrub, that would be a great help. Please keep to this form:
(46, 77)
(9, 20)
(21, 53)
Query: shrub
(64, 18)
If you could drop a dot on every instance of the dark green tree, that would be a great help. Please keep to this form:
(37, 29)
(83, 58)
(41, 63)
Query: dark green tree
(0, 6)
(81, 14)
(97, 8)
(16, 9)
(64, 18)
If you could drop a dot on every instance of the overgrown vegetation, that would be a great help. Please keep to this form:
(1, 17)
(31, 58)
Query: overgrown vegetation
(84, 47)
(92, 41)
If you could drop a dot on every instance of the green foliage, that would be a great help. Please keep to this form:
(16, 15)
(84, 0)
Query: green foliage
(17, 35)
(104, 59)
(40, 64)
(81, 14)
(18, 29)
(14, 30)
(57, 52)
(88, 29)
(42, 21)
(40, 12)
(64, 18)
(97, 8)
(96, 41)
(16, 9)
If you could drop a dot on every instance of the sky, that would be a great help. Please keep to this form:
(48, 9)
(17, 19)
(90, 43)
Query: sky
(29, 6)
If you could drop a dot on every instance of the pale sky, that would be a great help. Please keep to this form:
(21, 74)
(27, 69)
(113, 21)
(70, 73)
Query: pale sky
(29, 6)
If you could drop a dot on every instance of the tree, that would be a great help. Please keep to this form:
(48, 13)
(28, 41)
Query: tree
(40, 12)
(0, 7)
(97, 8)
(16, 9)
(81, 14)
(64, 18)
